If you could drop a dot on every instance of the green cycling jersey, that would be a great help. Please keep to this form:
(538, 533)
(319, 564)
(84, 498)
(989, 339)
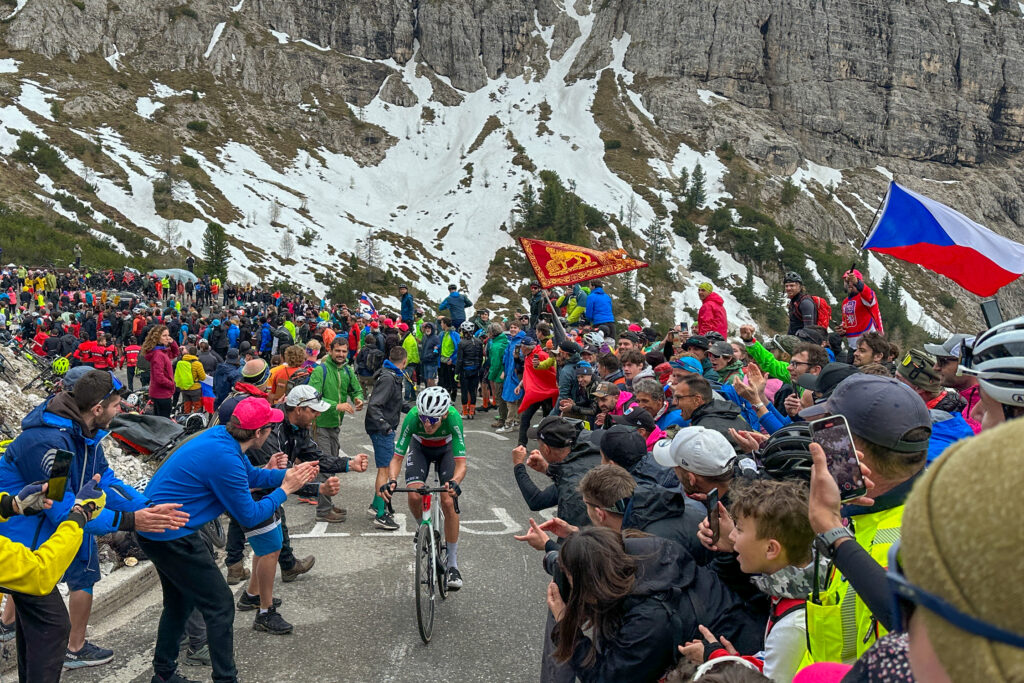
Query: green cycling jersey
(448, 432)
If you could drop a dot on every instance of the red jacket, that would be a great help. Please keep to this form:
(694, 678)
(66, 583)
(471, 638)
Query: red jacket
(106, 357)
(131, 356)
(161, 370)
(711, 317)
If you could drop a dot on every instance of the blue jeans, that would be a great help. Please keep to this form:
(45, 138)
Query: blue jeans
(383, 448)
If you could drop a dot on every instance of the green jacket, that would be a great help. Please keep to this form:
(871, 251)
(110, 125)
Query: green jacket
(412, 348)
(769, 363)
(495, 356)
(733, 369)
(337, 384)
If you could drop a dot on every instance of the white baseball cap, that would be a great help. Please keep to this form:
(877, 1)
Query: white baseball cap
(305, 396)
(698, 450)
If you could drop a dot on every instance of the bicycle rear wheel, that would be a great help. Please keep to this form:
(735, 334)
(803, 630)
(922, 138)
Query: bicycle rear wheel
(425, 583)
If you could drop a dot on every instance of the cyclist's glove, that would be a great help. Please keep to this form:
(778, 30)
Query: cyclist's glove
(388, 486)
(455, 488)
(31, 499)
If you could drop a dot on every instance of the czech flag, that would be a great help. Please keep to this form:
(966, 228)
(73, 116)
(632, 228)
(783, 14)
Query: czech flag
(208, 396)
(365, 304)
(920, 230)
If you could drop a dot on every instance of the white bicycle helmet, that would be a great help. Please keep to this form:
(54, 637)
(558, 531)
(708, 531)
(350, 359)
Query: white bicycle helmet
(594, 338)
(467, 326)
(434, 402)
(997, 360)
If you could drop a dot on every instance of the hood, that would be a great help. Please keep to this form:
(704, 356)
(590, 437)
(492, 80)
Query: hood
(61, 412)
(715, 298)
(250, 389)
(388, 365)
(652, 502)
(661, 566)
(646, 372)
(718, 408)
(189, 357)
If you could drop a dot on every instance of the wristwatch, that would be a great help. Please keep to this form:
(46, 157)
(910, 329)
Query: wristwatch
(825, 543)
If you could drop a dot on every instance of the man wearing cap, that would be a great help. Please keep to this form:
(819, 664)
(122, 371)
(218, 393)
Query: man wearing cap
(539, 385)
(599, 310)
(917, 371)
(702, 459)
(627, 341)
(860, 313)
(408, 305)
(456, 304)
(536, 303)
(711, 317)
(582, 405)
(75, 420)
(210, 474)
(683, 367)
(947, 361)
(891, 429)
(564, 454)
(270, 546)
(612, 400)
(697, 346)
(722, 358)
(568, 360)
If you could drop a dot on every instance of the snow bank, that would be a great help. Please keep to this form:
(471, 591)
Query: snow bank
(9, 66)
(822, 175)
(145, 107)
(217, 31)
(35, 99)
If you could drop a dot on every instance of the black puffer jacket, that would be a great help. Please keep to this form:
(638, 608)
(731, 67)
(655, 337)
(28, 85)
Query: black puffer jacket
(384, 408)
(667, 514)
(566, 475)
(471, 354)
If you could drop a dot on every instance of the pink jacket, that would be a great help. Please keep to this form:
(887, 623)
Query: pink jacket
(654, 437)
(625, 400)
(711, 317)
(161, 370)
(972, 395)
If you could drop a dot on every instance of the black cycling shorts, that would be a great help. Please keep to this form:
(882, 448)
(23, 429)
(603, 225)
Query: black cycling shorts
(417, 464)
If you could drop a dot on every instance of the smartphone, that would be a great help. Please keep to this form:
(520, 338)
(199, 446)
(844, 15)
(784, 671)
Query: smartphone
(59, 472)
(714, 523)
(990, 311)
(832, 433)
(685, 329)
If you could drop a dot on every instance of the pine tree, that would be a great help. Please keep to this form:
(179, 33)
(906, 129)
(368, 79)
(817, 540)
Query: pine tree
(656, 241)
(683, 183)
(696, 196)
(215, 251)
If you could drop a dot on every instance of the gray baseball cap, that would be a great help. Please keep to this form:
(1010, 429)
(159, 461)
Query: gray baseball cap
(880, 410)
(951, 347)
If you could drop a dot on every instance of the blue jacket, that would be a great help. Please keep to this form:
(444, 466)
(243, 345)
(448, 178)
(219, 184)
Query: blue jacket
(266, 338)
(224, 378)
(456, 304)
(28, 459)
(233, 333)
(430, 349)
(208, 475)
(670, 418)
(508, 389)
(408, 311)
(947, 428)
(599, 307)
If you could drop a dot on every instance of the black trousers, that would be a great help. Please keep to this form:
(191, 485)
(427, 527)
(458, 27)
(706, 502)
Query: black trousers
(545, 406)
(162, 406)
(470, 380)
(446, 378)
(190, 579)
(130, 371)
(43, 628)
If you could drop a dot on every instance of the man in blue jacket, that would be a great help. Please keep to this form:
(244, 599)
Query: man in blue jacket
(233, 333)
(510, 391)
(456, 304)
(599, 310)
(408, 307)
(209, 474)
(75, 421)
(266, 339)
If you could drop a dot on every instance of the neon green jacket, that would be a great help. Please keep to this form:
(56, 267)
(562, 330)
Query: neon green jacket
(769, 363)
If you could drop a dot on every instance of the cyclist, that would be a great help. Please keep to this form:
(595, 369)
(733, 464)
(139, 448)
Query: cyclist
(433, 428)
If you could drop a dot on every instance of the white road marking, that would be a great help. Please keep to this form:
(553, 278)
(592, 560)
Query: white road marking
(320, 531)
(400, 520)
(499, 437)
(501, 517)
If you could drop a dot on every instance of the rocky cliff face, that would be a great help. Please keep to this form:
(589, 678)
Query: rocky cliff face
(927, 89)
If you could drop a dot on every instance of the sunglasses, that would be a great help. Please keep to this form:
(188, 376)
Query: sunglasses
(312, 399)
(116, 387)
(907, 597)
(429, 420)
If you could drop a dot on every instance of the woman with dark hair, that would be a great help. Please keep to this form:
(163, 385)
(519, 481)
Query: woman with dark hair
(162, 352)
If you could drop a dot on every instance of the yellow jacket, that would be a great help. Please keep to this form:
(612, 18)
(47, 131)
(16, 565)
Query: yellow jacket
(37, 572)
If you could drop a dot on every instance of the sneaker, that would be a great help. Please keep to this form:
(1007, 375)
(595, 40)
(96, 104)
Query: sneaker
(237, 573)
(298, 569)
(247, 604)
(506, 429)
(200, 657)
(386, 522)
(332, 516)
(371, 511)
(6, 632)
(89, 655)
(454, 579)
(271, 622)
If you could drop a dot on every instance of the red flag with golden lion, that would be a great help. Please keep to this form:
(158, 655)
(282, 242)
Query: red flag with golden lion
(558, 265)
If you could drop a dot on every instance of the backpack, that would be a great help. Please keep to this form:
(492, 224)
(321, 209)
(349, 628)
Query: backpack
(824, 311)
(301, 376)
(370, 359)
(183, 378)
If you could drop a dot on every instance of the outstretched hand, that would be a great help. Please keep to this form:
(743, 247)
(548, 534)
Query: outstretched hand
(535, 537)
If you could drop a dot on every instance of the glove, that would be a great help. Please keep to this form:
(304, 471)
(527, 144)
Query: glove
(455, 488)
(91, 497)
(388, 486)
(31, 499)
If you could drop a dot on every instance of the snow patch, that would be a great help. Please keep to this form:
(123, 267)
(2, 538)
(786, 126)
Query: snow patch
(823, 175)
(146, 107)
(281, 37)
(35, 99)
(882, 170)
(9, 66)
(17, 8)
(313, 45)
(708, 97)
(217, 31)
(238, 7)
(688, 158)
(113, 59)
(619, 47)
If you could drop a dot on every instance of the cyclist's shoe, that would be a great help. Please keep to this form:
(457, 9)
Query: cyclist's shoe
(454, 579)
(6, 632)
(89, 655)
(247, 604)
(298, 569)
(272, 622)
(386, 522)
(330, 516)
(237, 573)
(200, 657)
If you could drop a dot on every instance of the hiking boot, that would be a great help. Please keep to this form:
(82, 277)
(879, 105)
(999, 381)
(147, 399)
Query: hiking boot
(454, 579)
(340, 511)
(331, 516)
(386, 522)
(271, 622)
(237, 573)
(298, 569)
(6, 632)
(247, 604)
(497, 424)
(89, 655)
(200, 657)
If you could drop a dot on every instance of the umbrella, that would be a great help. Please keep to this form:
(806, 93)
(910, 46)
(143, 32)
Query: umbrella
(176, 273)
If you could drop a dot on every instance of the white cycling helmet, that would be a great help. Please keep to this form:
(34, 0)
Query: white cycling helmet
(467, 326)
(997, 360)
(594, 338)
(434, 402)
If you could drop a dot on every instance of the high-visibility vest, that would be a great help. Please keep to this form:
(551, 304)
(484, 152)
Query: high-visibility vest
(840, 627)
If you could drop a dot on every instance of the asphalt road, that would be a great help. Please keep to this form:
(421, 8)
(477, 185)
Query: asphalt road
(354, 613)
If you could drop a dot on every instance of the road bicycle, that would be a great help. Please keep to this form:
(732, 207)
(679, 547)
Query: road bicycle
(431, 557)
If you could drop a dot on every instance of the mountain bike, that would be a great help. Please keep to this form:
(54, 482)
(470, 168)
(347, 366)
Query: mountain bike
(431, 557)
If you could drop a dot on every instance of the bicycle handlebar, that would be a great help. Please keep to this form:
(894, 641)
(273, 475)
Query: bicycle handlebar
(424, 490)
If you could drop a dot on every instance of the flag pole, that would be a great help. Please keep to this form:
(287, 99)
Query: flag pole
(560, 334)
(881, 205)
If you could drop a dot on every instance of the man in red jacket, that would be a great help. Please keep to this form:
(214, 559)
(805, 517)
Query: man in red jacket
(711, 317)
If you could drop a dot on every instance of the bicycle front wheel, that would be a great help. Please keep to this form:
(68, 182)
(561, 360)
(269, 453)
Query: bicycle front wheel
(425, 583)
